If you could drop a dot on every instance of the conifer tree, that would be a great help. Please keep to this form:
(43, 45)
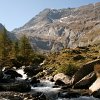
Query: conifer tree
(5, 46)
(25, 48)
(15, 50)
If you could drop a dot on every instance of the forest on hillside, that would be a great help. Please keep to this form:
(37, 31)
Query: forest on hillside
(17, 53)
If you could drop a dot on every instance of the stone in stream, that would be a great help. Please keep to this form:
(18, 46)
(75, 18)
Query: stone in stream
(12, 73)
(62, 77)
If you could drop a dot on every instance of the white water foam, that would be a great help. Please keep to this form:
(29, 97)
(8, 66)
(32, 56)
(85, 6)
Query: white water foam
(46, 87)
(20, 71)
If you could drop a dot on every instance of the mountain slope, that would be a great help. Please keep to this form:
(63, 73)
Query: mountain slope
(10, 35)
(52, 29)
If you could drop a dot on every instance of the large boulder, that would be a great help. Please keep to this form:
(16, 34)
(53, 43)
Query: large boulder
(12, 73)
(18, 87)
(85, 82)
(32, 70)
(62, 77)
(84, 70)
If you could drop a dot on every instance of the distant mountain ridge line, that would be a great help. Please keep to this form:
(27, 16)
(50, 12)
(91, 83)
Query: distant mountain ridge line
(53, 30)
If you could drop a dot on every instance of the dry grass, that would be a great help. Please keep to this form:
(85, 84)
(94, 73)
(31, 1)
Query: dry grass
(60, 61)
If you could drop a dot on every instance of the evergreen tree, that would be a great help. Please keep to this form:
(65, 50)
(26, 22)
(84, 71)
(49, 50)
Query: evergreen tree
(5, 46)
(25, 48)
(15, 50)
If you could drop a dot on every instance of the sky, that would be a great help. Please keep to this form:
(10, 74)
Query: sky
(15, 13)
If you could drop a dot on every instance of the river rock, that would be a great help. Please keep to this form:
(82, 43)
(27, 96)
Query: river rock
(84, 70)
(85, 82)
(62, 77)
(34, 80)
(12, 73)
(32, 70)
(18, 87)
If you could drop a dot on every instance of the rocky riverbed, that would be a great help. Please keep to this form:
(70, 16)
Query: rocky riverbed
(83, 85)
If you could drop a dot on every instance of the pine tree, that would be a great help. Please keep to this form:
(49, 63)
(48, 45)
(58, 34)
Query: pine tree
(5, 46)
(15, 50)
(25, 48)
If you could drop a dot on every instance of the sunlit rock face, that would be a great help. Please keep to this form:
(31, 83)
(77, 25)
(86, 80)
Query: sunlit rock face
(54, 29)
(96, 85)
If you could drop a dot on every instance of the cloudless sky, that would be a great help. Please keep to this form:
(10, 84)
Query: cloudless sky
(15, 13)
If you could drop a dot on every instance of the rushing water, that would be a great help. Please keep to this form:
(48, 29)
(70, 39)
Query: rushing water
(20, 71)
(46, 87)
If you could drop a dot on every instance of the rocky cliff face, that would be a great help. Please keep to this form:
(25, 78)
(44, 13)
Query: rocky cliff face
(52, 29)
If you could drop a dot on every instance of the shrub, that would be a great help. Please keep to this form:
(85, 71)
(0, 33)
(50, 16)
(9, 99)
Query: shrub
(68, 69)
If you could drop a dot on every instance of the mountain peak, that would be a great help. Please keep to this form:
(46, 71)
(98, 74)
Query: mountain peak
(54, 29)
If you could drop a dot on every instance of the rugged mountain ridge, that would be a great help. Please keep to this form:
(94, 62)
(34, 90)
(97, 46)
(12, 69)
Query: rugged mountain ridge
(53, 29)
(12, 36)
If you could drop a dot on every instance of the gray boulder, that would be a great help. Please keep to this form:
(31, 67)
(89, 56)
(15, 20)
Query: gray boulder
(62, 77)
(84, 70)
(85, 82)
